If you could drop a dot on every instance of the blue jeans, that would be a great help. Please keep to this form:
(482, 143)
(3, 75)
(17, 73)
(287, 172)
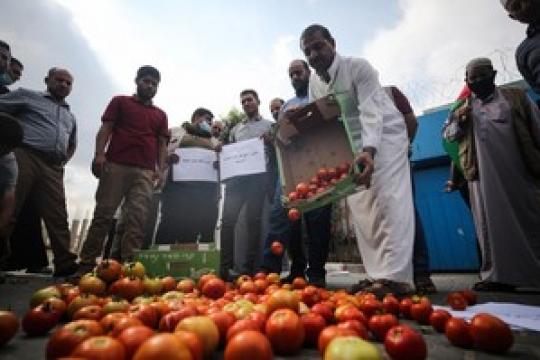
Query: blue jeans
(290, 235)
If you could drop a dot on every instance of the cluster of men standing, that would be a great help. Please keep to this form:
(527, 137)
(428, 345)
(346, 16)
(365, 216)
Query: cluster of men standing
(135, 150)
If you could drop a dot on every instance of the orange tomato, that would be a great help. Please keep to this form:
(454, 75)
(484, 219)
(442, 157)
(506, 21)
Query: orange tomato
(248, 343)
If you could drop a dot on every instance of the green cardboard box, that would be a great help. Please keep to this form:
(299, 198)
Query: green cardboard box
(313, 137)
(180, 260)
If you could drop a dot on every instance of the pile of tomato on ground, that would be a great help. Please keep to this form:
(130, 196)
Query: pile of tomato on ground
(117, 312)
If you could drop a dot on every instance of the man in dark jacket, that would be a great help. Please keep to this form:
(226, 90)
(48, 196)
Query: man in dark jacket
(528, 52)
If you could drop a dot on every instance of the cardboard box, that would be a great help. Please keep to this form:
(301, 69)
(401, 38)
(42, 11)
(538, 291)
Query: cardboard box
(313, 137)
(180, 260)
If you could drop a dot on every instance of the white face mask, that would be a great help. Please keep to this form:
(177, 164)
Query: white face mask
(204, 126)
(5, 79)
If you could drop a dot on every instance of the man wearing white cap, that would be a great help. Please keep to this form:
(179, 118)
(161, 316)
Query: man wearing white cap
(498, 132)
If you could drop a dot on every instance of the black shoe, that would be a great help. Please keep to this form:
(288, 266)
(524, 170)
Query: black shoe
(493, 286)
(361, 285)
(289, 278)
(65, 271)
(318, 282)
(42, 270)
(424, 285)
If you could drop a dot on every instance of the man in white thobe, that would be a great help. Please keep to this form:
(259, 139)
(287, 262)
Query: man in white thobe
(383, 211)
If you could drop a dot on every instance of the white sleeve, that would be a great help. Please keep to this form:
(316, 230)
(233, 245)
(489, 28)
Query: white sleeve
(371, 102)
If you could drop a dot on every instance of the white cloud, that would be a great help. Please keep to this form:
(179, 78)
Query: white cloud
(426, 52)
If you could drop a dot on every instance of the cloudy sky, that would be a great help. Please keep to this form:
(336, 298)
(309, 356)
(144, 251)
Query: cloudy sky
(207, 51)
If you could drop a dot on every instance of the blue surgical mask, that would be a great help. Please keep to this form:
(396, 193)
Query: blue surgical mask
(204, 126)
(5, 79)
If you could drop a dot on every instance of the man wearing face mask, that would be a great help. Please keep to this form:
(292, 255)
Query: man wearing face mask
(131, 147)
(528, 52)
(189, 208)
(498, 132)
(5, 58)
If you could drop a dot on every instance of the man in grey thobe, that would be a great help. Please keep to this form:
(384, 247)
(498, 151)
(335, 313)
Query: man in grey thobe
(505, 196)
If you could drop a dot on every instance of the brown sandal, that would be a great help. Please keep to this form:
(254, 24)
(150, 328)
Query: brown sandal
(382, 287)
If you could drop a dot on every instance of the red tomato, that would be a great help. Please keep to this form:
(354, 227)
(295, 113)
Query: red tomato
(168, 322)
(109, 270)
(9, 324)
(39, 320)
(310, 295)
(214, 288)
(260, 285)
(124, 323)
(81, 301)
(259, 317)
(314, 180)
(128, 288)
(56, 305)
(293, 214)
(90, 312)
(145, 313)
(67, 338)
(322, 174)
(332, 173)
(162, 346)
(370, 307)
(282, 299)
(168, 283)
(404, 343)
(491, 334)
(132, 337)
(313, 325)
(324, 310)
(285, 331)
(302, 188)
(355, 325)
(380, 324)
(223, 321)
(100, 348)
(277, 248)
(248, 344)
(405, 307)
(457, 331)
(420, 312)
(350, 312)
(438, 319)
(470, 296)
(242, 325)
(329, 333)
(457, 301)
(391, 304)
(293, 196)
(192, 341)
(299, 282)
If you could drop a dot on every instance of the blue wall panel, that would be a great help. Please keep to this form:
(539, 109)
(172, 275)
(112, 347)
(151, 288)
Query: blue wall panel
(428, 142)
(447, 222)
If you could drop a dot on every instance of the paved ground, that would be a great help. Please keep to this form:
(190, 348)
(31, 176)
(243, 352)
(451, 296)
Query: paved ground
(16, 292)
